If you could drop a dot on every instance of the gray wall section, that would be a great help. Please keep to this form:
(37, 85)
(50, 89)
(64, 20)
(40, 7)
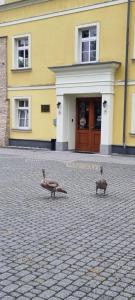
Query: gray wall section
(105, 149)
(53, 145)
(32, 143)
(61, 146)
(4, 104)
(119, 149)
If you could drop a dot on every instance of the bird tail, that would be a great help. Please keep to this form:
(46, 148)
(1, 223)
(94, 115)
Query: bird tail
(59, 189)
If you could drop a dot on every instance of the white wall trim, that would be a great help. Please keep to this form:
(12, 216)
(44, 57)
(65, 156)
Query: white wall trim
(121, 82)
(53, 86)
(18, 4)
(2, 2)
(64, 12)
(27, 88)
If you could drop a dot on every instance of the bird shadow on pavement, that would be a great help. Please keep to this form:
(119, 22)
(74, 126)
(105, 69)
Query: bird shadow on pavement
(100, 195)
(54, 198)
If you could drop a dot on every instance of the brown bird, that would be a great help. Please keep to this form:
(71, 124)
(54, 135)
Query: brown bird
(51, 185)
(101, 183)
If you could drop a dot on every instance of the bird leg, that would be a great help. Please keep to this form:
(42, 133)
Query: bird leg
(53, 194)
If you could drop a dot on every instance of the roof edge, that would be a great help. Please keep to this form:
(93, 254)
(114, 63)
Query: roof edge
(20, 3)
(113, 64)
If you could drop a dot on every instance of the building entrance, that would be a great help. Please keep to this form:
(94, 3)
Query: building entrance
(88, 124)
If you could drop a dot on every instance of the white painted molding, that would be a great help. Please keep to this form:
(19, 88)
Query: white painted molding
(133, 114)
(2, 2)
(64, 12)
(29, 87)
(85, 78)
(53, 86)
(20, 3)
(121, 82)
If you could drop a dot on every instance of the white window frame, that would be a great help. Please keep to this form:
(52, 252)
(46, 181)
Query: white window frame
(15, 110)
(133, 114)
(78, 30)
(14, 51)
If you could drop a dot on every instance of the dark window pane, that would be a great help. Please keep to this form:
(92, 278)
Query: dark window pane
(26, 58)
(85, 46)
(85, 56)
(93, 45)
(26, 103)
(93, 31)
(21, 53)
(26, 53)
(83, 120)
(21, 103)
(97, 115)
(20, 42)
(92, 55)
(26, 62)
(85, 33)
(26, 41)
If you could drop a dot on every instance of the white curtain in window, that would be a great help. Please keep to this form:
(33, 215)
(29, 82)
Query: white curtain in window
(23, 117)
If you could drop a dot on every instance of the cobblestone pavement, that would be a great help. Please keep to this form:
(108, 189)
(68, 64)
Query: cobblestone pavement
(78, 246)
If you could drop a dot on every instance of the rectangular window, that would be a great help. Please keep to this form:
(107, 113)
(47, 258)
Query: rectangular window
(87, 43)
(22, 113)
(21, 51)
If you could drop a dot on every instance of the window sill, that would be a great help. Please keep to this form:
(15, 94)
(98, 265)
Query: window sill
(22, 70)
(89, 62)
(21, 130)
(132, 134)
(133, 59)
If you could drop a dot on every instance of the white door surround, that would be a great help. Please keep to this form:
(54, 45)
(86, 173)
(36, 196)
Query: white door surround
(95, 79)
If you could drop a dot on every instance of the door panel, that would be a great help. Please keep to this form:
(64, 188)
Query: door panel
(88, 126)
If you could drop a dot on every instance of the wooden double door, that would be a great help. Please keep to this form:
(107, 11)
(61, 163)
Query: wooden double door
(88, 124)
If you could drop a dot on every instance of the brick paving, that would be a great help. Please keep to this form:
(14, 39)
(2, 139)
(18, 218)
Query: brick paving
(76, 246)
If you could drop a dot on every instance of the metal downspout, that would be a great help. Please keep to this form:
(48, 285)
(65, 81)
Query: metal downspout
(126, 76)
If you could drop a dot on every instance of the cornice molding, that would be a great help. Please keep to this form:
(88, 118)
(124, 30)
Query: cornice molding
(21, 3)
(88, 66)
(61, 12)
(53, 86)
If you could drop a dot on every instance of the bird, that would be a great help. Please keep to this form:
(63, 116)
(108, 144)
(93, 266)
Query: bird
(51, 185)
(101, 183)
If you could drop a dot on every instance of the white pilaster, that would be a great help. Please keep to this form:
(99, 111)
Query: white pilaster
(107, 123)
(71, 99)
(2, 2)
(62, 123)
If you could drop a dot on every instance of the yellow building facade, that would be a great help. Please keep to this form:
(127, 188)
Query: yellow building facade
(68, 74)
